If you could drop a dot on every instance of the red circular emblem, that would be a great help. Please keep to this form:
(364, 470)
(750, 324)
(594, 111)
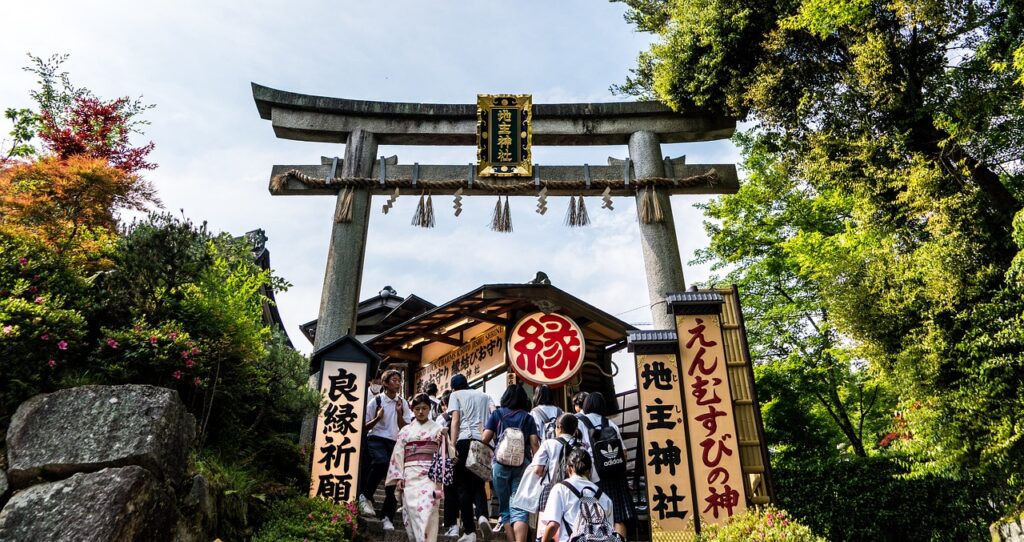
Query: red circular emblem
(546, 348)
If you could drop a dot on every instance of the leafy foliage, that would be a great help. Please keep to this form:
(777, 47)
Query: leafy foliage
(766, 524)
(303, 519)
(874, 240)
(69, 204)
(71, 121)
(855, 498)
(162, 301)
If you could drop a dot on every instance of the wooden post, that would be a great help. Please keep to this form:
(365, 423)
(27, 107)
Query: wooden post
(340, 297)
(657, 239)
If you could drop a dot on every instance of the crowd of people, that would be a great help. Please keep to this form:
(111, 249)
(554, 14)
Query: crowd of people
(554, 475)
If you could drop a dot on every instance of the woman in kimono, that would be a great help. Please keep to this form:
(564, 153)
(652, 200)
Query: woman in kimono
(414, 451)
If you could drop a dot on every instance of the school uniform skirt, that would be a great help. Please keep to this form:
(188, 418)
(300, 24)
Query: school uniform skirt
(618, 491)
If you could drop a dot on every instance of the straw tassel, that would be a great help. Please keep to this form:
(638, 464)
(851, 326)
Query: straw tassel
(424, 215)
(430, 213)
(278, 183)
(343, 212)
(506, 220)
(501, 220)
(645, 206)
(582, 218)
(570, 213)
(656, 214)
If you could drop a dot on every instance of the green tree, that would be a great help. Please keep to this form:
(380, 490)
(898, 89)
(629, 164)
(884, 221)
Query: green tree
(792, 337)
(910, 113)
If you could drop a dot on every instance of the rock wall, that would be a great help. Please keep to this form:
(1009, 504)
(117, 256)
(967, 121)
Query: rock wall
(102, 463)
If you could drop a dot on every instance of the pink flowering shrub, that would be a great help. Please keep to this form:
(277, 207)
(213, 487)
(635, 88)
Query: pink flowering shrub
(313, 520)
(42, 330)
(766, 524)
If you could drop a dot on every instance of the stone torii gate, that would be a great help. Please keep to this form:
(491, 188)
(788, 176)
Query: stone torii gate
(364, 125)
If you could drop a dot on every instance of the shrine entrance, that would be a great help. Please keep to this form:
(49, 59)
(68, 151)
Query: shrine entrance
(700, 442)
(470, 335)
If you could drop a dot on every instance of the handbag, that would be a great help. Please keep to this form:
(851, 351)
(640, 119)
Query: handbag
(442, 468)
(479, 459)
(527, 497)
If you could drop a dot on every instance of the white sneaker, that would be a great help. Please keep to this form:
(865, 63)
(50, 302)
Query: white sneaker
(471, 537)
(452, 531)
(366, 507)
(388, 526)
(499, 527)
(484, 523)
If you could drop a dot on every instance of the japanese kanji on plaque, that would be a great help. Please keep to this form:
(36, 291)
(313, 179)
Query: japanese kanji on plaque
(504, 132)
(339, 431)
(666, 461)
(546, 348)
(714, 446)
(480, 355)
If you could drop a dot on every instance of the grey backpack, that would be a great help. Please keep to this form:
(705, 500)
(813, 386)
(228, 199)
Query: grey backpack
(591, 525)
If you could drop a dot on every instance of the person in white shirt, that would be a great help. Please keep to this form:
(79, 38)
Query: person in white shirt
(563, 506)
(469, 409)
(386, 413)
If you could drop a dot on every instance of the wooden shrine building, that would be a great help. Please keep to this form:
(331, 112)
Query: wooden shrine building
(470, 335)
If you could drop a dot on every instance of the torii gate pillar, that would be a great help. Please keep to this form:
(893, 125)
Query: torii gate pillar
(657, 239)
(340, 297)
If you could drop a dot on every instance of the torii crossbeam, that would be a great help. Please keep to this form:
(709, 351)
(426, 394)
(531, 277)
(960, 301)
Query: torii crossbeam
(364, 125)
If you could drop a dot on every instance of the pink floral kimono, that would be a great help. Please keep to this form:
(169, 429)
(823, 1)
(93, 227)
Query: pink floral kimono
(414, 451)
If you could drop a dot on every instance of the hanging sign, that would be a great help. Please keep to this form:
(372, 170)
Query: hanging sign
(482, 354)
(504, 135)
(717, 473)
(339, 431)
(546, 348)
(665, 454)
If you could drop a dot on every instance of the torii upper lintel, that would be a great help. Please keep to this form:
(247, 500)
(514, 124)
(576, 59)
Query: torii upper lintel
(304, 117)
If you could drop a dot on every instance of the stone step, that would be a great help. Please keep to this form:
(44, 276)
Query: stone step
(374, 530)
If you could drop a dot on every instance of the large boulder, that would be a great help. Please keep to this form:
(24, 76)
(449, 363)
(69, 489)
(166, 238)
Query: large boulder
(127, 503)
(89, 428)
(3, 487)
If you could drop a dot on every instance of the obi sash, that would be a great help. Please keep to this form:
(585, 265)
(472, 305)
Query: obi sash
(420, 450)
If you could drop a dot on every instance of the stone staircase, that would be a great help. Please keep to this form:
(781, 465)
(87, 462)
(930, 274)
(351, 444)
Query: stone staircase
(373, 528)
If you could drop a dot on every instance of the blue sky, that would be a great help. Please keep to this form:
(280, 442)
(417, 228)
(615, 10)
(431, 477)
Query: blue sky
(195, 61)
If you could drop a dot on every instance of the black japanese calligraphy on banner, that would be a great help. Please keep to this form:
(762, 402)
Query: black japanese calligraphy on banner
(338, 431)
(482, 354)
(665, 454)
(718, 476)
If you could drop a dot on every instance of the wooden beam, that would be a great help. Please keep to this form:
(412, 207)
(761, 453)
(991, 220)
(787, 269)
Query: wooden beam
(485, 317)
(442, 339)
(286, 180)
(399, 354)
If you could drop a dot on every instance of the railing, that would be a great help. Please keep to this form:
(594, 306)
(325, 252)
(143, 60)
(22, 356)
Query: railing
(628, 420)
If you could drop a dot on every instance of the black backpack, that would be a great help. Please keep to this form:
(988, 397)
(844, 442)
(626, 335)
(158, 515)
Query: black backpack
(606, 448)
